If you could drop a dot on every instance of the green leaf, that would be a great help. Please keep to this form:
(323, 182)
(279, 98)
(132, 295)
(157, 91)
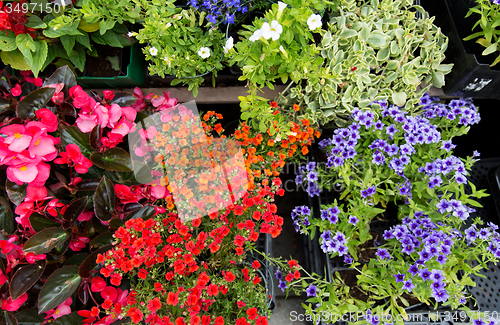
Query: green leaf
(62, 75)
(399, 98)
(39, 222)
(25, 278)
(15, 59)
(84, 39)
(30, 316)
(70, 319)
(44, 241)
(35, 100)
(76, 259)
(72, 134)
(78, 59)
(377, 39)
(437, 79)
(108, 38)
(102, 240)
(75, 208)
(68, 41)
(7, 42)
(16, 193)
(124, 98)
(39, 57)
(35, 22)
(7, 319)
(58, 287)
(6, 216)
(490, 49)
(145, 213)
(115, 62)
(348, 33)
(113, 159)
(104, 199)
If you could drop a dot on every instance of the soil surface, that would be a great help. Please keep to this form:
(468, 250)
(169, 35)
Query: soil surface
(100, 66)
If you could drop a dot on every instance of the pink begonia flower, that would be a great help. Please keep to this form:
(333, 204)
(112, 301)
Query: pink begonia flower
(163, 102)
(80, 98)
(73, 157)
(16, 137)
(36, 81)
(129, 113)
(26, 208)
(97, 284)
(46, 117)
(32, 257)
(61, 310)
(122, 128)
(3, 278)
(34, 173)
(58, 96)
(112, 140)
(86, 122)
(125, 194)
(78, 242)
(159, 191)
(115, 113)
(85, 216)
(13, 305)
(108, 94)
(147, 134)
(16, 91)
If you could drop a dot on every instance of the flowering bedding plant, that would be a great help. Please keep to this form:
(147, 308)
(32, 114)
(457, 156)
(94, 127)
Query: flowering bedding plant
(183, 43)
(388, 156)
(95, 244)
(487, 13)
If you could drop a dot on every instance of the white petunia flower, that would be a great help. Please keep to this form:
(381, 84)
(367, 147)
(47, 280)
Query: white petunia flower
(281, 7)
(256, 35)
(153, 51)
(314, 21)
(272, 31)
(229, 44)
(204, 52)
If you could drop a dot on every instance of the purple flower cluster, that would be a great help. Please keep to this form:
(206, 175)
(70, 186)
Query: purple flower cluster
(455, 207)
(442, 167)
(331, 214)
(463, 111)
(344, 142)
(369, 191)
(217, 9)
(300, 216)
(334, 243)
(282, 283)
(309, 174)
(428, 241)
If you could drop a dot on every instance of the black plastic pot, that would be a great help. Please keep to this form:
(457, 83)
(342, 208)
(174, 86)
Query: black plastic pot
(468, 78)
(265, 245)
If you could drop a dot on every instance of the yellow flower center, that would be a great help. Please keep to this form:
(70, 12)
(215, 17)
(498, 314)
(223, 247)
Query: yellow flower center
(17, 135)
(119, 126)
(57, 311)
(37, 142)
(23, 168)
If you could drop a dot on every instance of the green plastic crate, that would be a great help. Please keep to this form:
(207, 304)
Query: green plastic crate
(133, 59)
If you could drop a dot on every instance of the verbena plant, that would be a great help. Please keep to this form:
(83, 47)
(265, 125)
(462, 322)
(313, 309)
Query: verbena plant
(385, 156)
